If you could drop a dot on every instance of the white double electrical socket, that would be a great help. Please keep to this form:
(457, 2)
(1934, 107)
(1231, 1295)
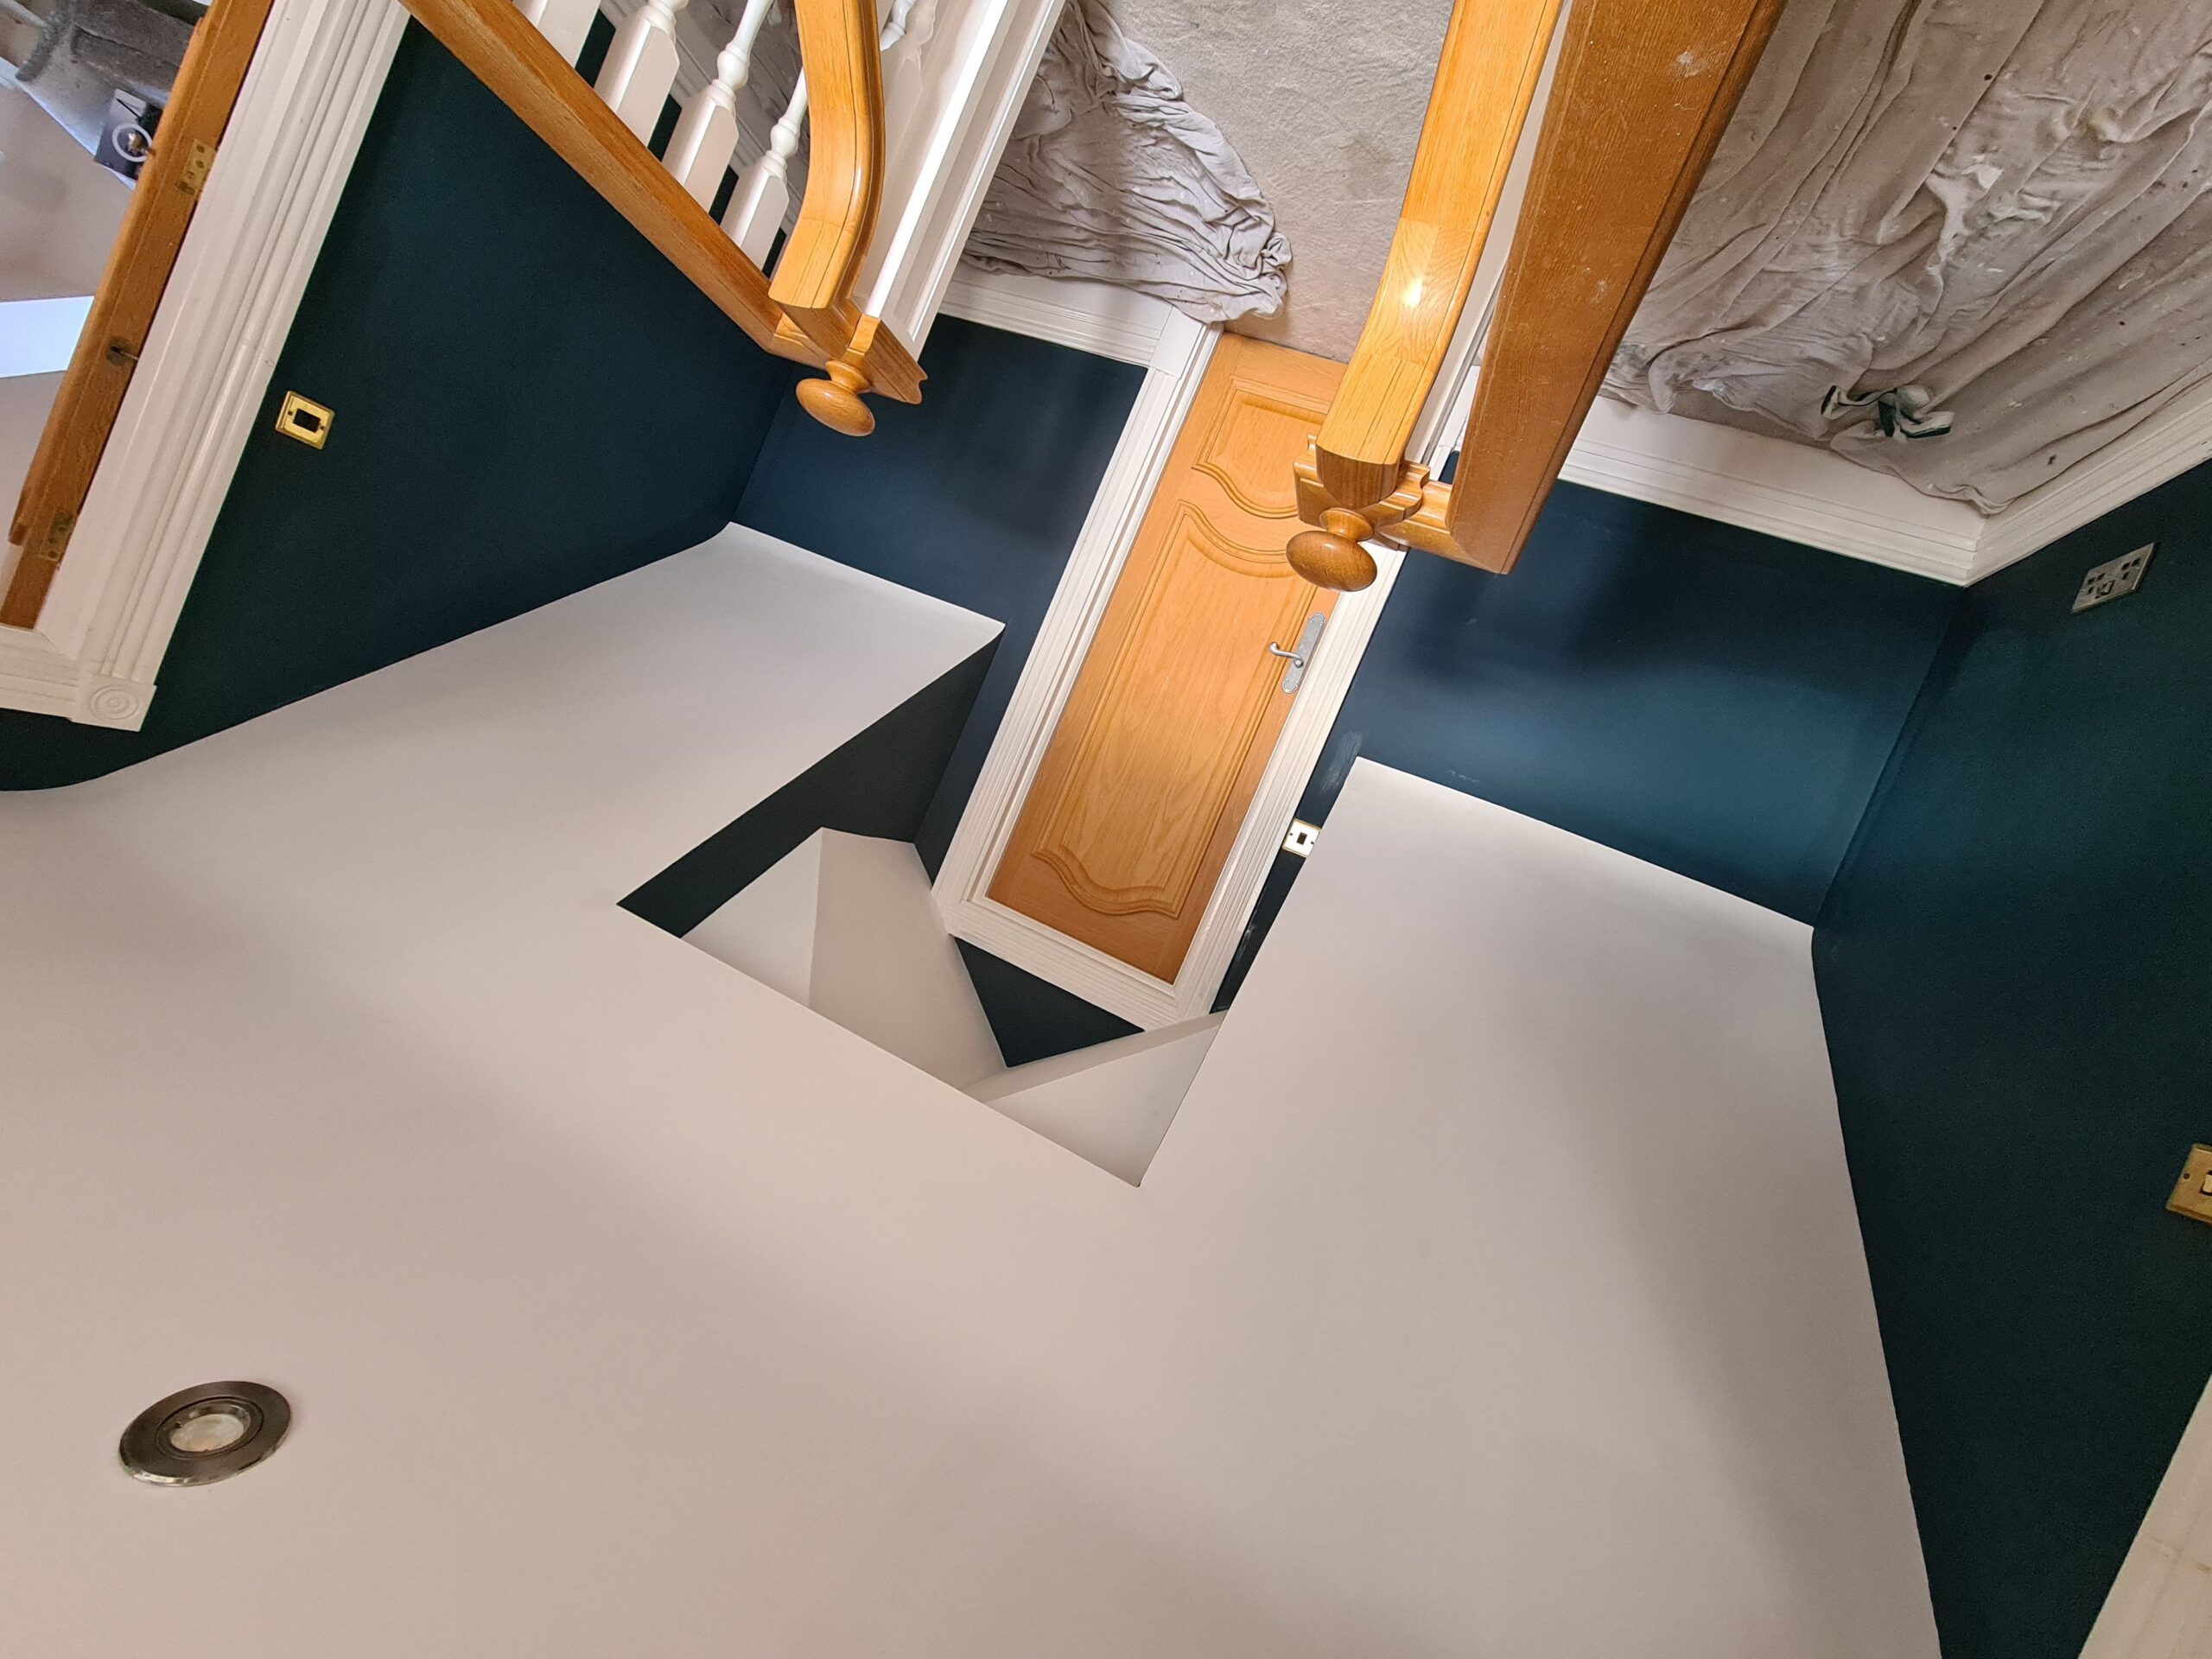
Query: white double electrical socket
(2113, 578)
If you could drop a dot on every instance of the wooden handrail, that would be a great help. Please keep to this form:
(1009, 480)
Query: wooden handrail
(1643, 90)
(498, 42)
(137, 272)
(810, 317)
(1605, 199)
(838, 44)
(844, 169)
(1492, 57)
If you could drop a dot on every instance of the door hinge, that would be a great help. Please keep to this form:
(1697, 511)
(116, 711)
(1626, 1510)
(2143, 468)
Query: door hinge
(120, 355)
(197, 161)
(58, 532)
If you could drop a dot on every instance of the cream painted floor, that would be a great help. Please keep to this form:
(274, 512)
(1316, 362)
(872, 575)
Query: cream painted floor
(1496, 1292)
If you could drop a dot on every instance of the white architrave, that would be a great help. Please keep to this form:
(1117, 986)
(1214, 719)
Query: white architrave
(1788, 490)
(1113, 322)
(224, 317)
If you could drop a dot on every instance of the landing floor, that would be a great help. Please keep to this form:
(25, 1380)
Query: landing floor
(1496, 1292)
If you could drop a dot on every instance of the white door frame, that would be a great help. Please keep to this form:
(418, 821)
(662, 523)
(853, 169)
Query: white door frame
(1175, 351)
(223, 318)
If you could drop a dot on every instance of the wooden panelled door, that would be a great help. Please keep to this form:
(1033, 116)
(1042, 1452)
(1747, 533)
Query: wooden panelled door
(1145, 785)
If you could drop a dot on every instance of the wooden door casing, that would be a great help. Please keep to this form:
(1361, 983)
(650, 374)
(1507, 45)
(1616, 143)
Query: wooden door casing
(1178, 706)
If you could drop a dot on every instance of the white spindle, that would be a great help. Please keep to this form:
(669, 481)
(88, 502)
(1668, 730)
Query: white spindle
(764, 195)
(894, 27)
(705, 138)
(640, 66)
(566, 23)
(763, 192)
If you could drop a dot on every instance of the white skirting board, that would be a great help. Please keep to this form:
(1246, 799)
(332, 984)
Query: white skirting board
(1796, 492)
(2161, 1604)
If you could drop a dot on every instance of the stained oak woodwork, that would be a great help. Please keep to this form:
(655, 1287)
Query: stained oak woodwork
(1146, 780)
(839, 40)
(844, 170)
(1643, 90)
(1486, 75)
(138, 273)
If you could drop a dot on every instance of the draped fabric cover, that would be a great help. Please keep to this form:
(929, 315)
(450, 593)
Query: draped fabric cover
(2006, 204)
(1112, 176)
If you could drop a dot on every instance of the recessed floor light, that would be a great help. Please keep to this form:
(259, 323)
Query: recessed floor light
(203, 1434)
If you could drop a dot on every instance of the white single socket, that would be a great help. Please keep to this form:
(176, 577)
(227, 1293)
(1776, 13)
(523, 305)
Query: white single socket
(2115, 578)
(1302, 839)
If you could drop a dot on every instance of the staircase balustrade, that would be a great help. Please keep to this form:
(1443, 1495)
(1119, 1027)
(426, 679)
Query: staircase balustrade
(566, 24)
(641, 67)
(706, 135)
(811, 310)
(1641, 92)
(763, 198)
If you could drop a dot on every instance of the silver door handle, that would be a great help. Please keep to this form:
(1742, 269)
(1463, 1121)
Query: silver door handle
(1294, 661)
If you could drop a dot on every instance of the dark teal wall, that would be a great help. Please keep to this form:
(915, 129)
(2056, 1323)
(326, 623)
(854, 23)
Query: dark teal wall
(530, 399)
(1714, 701)
(2015, 970)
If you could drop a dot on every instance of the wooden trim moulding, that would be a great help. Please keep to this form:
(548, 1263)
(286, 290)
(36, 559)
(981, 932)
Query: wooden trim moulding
(1641, 96)
(1486, 79)
(844, 170)
(113, 340)
(222, 320)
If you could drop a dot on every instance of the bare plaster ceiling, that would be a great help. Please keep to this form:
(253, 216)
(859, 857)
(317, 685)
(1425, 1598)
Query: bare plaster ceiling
(1323, 99)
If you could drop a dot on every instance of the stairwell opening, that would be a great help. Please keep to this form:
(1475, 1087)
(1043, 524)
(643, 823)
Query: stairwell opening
(818, 893)
(846, 925)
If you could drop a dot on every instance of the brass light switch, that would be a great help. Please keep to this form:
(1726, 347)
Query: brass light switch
(2193, 1192)
(304, 419)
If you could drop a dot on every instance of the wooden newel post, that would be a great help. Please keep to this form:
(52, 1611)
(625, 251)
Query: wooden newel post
(1357, 483)
(1642, 92)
